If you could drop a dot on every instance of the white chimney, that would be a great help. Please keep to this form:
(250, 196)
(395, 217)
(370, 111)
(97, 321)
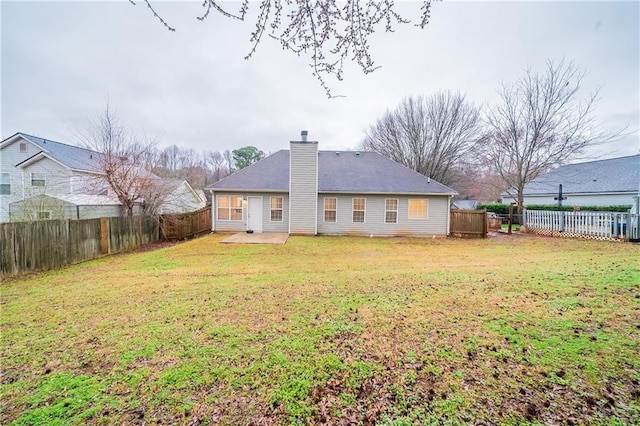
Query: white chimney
(304, 134)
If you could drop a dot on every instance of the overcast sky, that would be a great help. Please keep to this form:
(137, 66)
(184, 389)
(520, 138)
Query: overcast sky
(192, 88)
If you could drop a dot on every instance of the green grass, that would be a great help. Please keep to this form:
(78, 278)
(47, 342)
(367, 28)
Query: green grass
(514, 227)
(391, 331)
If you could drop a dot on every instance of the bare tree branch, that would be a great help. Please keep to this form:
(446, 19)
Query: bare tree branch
(121, 159)
(432, 136)
(328, 31)
(539, 124)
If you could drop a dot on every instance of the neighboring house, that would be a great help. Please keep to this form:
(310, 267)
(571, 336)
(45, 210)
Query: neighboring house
(31, 166)
(304, 191)
(465, 204)
(595, 183)
(180, 197)
(68, 206)
(202, 195)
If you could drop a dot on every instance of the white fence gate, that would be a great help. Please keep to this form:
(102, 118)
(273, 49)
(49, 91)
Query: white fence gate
(601, 225)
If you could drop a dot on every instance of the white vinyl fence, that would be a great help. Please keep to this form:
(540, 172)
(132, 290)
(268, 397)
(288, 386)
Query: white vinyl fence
(602, 225)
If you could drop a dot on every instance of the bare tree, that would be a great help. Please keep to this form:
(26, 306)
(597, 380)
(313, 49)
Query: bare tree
(228, 158)
(216, 165)
(429, 135)
(170, 160)
(155, 195)
(539, 123)
(326, 31)
(121, 159)
(474, 182)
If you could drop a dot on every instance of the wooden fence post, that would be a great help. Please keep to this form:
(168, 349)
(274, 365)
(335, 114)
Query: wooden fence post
(104, 235)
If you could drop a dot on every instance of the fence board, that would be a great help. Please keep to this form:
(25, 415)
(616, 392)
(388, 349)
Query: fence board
(469, 223)
(178, 226)
(44, 245)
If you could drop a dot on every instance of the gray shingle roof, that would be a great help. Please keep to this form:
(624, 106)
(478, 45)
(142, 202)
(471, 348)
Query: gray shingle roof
(338, 171)
(269, 174)
(72, 156)
(620, 174)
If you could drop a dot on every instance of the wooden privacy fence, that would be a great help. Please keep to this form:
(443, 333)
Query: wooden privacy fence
(44, 245)
(584, 224)
(469, 223)
(186, 225)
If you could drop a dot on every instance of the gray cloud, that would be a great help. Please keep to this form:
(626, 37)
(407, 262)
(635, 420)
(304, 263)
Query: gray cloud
(60, 61)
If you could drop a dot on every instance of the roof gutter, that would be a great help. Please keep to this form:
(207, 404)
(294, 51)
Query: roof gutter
(284, 191)
(442, 194)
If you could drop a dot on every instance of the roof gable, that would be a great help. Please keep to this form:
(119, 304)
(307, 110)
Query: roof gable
(269, 174)
(74, 157)
(15, 138)
(338, 171)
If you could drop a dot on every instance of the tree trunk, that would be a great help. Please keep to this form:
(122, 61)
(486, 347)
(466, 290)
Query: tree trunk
(520, 205)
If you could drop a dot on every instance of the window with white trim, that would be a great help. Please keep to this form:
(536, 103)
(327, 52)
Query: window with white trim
(276, 209)
(44, 215)
(330, 209)
(418, 209)
(229, 207)
(359, 205)
(38, 179)
(5, 184)
(23, 147)
(391, 210)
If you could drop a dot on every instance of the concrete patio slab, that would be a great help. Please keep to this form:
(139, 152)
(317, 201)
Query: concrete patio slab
(257, 238)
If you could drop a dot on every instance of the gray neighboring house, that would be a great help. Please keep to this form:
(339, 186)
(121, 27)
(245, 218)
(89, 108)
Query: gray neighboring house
(31, 166)
(177, 196)
(41, 178)
(303, 191)
(595, 183)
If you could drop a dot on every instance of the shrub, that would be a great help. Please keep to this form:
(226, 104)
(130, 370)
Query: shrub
(497, 208)
(503, 209)
(554, 207)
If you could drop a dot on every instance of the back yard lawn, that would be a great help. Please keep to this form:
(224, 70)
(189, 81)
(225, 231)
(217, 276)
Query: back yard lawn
(515, 330)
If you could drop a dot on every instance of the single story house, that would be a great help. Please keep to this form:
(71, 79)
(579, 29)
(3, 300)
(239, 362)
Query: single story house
(611, 182)
(68, 206)
(177, 196)
(303, 191)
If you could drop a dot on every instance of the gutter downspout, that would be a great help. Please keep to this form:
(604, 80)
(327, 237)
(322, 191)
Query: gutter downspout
(449, 214)
(213, 210)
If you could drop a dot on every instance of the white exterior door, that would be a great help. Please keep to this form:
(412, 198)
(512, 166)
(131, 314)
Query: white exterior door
(254, 214)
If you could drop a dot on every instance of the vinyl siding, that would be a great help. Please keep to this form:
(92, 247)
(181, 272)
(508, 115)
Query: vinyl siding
(10, 156)
(241, 226)
(303, 187)
(181, 200)
(27, 209)
(435, 224)
(58, 178)
(94, 212)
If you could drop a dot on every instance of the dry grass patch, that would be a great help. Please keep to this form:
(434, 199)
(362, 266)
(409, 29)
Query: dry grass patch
(329, 330)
